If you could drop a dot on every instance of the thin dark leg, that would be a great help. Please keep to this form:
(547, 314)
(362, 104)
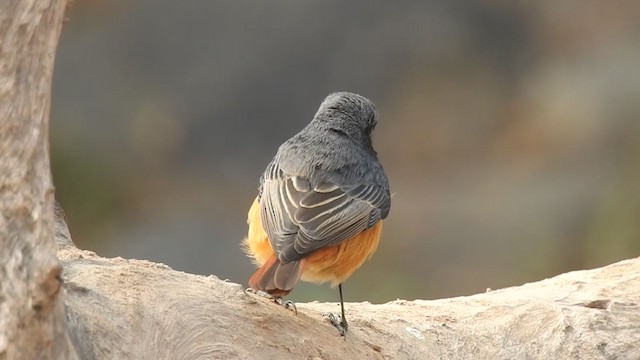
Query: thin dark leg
(344, 323)
(339, 320)
(341, 303)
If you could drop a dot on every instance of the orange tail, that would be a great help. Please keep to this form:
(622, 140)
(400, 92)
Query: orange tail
(276, 278)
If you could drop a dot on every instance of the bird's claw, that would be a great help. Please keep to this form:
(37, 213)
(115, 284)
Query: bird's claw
(251, 291)
(259, 293)
(287, 304)
(338, 322)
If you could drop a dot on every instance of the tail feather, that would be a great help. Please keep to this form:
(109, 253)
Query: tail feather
(276, 278)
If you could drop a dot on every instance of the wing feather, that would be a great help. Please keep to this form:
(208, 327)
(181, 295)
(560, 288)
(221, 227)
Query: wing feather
(300, 218)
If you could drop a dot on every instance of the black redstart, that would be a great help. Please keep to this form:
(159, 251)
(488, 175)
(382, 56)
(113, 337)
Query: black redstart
(319, 210)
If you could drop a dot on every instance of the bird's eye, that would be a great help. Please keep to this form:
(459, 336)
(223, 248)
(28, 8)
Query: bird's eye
(372, 121)
(369, 129)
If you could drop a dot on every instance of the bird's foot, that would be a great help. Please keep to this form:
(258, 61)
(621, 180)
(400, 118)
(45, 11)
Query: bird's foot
(257, 292)
(287, 304)
(338, 322)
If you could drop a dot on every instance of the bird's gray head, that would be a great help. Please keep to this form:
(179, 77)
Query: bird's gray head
(350, 113)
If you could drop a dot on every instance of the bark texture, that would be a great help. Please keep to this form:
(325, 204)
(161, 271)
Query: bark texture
(31, 313)
(133, 309)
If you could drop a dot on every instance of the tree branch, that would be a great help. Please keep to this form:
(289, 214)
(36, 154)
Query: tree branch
(133, 309)
(31, 315)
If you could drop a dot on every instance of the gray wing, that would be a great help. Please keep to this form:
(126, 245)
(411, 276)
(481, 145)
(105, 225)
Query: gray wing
(300, 218)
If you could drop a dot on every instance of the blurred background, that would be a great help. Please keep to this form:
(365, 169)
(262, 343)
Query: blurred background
(510, 131)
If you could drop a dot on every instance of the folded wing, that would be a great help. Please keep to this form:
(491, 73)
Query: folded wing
(300, 218)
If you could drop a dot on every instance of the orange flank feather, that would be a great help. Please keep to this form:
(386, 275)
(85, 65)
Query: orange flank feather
(332, 264)
(257, 245)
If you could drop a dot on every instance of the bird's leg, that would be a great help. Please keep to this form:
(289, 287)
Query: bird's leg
(287, 304)
(343, 323)
(339, 320)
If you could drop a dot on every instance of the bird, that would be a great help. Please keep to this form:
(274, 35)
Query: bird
(320, 204)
